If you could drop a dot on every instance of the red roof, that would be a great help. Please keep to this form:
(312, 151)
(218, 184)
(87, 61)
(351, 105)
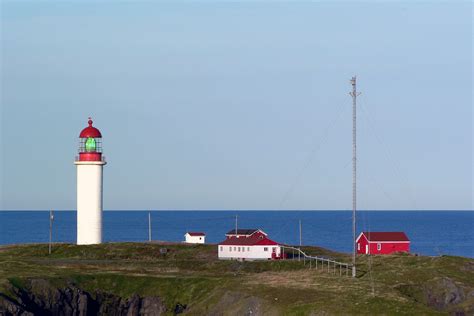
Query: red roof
(241, 231)
(253, 240)
(90, 131)
(386, 236)
(196, 234)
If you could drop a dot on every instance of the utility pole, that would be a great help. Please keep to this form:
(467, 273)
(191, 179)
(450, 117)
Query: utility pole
(236, 222)
(354, 94)
(51, 219)
(301, 242)
(149, 226)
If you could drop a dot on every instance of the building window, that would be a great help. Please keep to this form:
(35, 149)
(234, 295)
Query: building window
(265, 249)
(243, 249)
(230, 249)
(200, 238)
(248, 248)
(235, 248)
(222, 248)
(239, 249)
(379, 246)
(358, 246)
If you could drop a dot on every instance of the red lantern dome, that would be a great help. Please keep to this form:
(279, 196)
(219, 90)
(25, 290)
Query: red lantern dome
(90, 144)
(90, 131)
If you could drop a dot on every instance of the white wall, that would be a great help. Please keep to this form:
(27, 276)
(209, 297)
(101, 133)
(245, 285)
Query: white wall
(195, 239)
(250, 253)
(89, 202)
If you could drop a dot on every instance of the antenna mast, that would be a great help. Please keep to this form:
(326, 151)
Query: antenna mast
(354, 94)
(236, 220)
(149, 226)
(301, 240)
(51, 219)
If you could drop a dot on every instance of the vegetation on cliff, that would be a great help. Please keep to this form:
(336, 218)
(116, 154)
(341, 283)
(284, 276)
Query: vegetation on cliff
(190, 279)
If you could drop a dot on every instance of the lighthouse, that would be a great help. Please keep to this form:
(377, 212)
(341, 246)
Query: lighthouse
(89, 166)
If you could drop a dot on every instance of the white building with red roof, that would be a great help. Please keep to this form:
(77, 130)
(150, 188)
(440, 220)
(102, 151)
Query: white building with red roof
(195, 238)
(248, 244)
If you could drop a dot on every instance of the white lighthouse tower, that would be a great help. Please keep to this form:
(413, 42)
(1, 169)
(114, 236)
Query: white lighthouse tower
(89, 186)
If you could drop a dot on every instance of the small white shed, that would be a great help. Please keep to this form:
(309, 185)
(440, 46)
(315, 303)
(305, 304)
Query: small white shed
(195, 238)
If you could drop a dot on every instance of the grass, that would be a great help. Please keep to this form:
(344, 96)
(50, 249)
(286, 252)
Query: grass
(192, 275)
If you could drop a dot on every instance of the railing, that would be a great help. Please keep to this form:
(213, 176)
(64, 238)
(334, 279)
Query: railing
(102, 158)
(323, 262)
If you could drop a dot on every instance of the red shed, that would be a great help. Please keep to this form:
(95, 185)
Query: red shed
(382, 243)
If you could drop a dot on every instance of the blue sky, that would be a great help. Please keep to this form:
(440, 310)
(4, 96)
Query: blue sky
(239, 105)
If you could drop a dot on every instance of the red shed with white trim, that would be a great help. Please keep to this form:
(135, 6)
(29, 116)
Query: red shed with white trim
(382, 243)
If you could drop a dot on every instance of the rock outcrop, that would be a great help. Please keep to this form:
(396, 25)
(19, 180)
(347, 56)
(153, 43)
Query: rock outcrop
(443, 293)
(39, 297)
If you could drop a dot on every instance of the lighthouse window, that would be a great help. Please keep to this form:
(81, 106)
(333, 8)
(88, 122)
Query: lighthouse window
(90, 144)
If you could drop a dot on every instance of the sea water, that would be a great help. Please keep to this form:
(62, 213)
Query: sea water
(430, 232)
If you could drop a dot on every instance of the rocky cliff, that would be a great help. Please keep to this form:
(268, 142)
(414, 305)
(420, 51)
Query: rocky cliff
(40, 297)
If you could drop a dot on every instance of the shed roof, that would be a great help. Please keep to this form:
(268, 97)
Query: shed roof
(386, 236)
(196, 234)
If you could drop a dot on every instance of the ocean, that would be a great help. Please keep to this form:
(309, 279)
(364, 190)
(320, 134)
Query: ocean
(431, 232)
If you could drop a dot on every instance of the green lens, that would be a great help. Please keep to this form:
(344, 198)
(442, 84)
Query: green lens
(90, 144)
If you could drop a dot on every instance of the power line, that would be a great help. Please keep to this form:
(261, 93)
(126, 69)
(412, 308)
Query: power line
(396, 169)
(311, 155)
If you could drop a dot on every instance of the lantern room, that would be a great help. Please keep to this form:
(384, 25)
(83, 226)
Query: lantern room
(90, 143)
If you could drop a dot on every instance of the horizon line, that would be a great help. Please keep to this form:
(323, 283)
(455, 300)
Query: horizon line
(246, 210)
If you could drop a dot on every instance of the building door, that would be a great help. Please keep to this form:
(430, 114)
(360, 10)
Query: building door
(274, 253)
(366, 249)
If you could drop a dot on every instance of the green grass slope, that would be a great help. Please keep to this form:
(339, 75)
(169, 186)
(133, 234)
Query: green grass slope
(192, 275)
